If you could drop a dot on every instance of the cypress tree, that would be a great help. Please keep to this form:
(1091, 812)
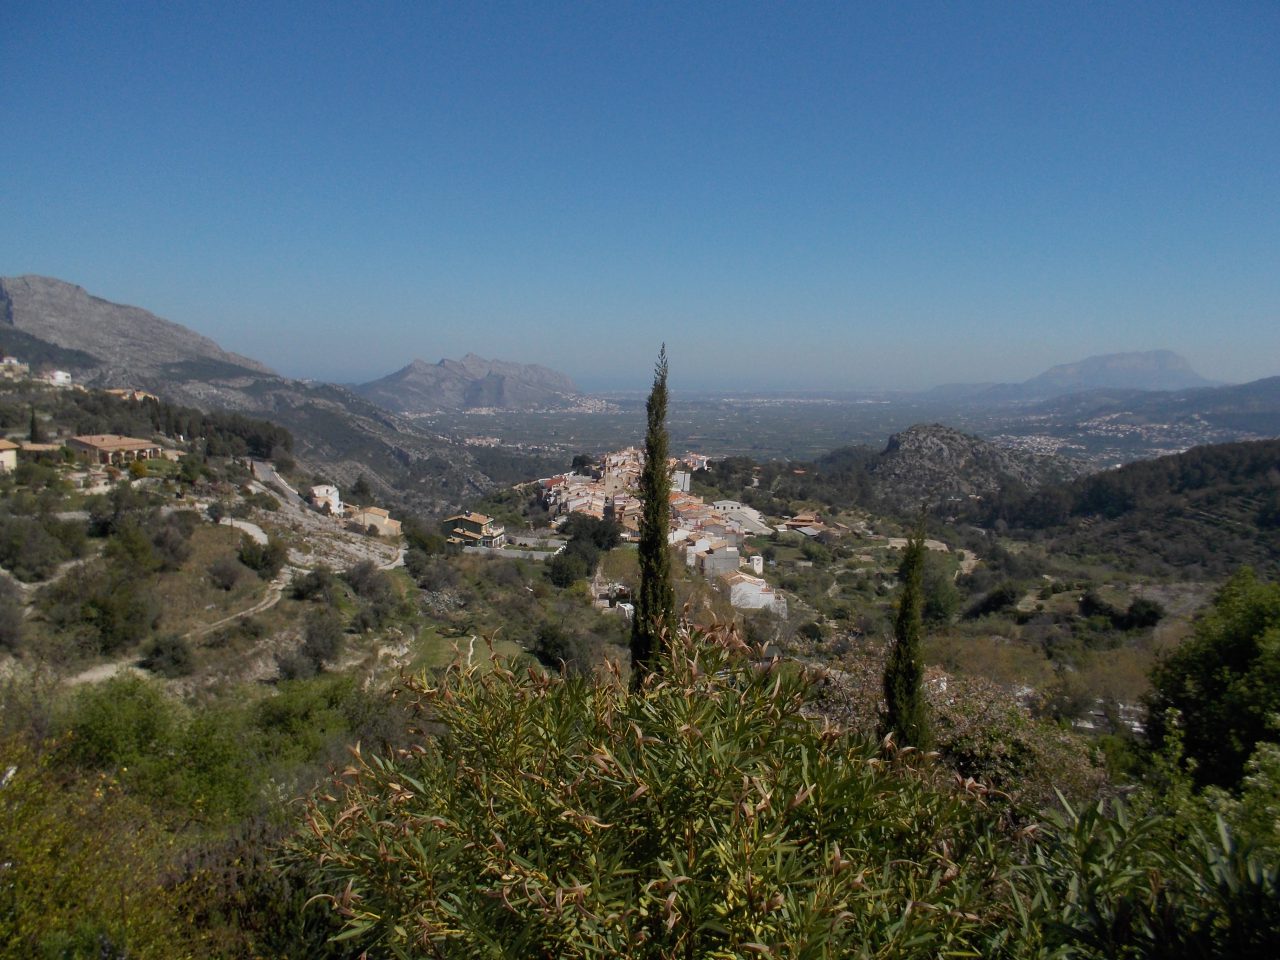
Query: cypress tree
(906, 715)
(655, 613)
(36, 434)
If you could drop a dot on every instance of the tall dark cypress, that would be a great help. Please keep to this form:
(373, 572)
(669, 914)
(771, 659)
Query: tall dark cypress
(655, 613)
(906, 715)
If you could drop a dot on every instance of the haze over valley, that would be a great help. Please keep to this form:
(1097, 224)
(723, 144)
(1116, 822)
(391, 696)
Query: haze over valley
(640, 481)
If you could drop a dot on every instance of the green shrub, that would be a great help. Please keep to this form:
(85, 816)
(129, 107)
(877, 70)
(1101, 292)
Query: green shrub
(82, 866)
(12, 623)
(558, 649)
(319, 584)
(322, 637)
(1224, 681)
(264, 559)
(703, 815)
(198, 765)
(169, 656)
(225, 572)
(1111, 883)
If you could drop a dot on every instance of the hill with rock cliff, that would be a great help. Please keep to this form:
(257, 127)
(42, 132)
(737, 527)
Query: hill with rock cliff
(468, 384)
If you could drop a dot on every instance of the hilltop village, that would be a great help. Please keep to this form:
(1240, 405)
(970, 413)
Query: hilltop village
(710, 537)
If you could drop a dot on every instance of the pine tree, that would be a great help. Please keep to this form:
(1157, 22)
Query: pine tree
(655, 613)
(906, 715)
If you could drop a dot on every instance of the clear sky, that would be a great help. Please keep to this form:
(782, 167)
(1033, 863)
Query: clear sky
(825, 195)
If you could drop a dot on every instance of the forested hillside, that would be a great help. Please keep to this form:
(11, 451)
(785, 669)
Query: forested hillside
(1200, 513)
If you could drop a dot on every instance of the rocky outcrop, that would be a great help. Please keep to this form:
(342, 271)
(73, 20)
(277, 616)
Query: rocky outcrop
(932, 463)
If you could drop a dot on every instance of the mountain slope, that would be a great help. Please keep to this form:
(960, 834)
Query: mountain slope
(1252, 407)
(467, 384)
(119, 338)
(1202, 513)
(337, 434)
(932, 463)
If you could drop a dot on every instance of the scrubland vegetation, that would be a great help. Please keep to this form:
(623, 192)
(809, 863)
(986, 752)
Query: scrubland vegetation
(216, 747)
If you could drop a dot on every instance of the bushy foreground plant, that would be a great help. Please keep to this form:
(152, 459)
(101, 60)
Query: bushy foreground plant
(1109, 883)
(702, 815)
(81, 866)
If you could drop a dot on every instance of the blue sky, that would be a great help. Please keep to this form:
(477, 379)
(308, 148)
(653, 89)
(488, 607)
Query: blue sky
(800, 195)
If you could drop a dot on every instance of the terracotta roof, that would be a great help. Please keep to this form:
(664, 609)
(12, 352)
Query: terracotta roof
(479, 518)
(113, 441)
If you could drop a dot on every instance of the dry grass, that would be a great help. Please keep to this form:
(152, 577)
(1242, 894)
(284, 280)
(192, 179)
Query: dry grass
(1005, 661)
(188, 597)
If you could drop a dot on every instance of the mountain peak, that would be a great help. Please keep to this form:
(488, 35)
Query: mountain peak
(469, 383)
(1145, 370)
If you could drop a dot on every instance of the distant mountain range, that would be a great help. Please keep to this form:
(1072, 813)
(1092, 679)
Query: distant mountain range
(470, 383)
(1156, 370)
(338, 433)
(344, 432)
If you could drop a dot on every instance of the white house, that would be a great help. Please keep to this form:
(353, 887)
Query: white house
(326, 496)
(751, 593)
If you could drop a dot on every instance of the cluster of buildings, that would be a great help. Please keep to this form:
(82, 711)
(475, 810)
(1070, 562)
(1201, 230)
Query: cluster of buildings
(99, 449)
(710, 536)
(610, 491)
(326, 498)
(11, 368)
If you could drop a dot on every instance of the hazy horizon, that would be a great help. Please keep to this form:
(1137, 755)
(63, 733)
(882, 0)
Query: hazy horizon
(810, 197)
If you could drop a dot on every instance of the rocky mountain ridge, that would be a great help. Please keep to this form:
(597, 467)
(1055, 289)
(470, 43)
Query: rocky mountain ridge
(470, 383)
(118, 340)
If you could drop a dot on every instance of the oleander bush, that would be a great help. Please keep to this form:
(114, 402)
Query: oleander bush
(704, 815)
(711, 813)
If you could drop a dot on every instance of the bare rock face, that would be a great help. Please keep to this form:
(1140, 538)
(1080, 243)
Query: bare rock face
(470, 383)
(119, 337)
(931, 463)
